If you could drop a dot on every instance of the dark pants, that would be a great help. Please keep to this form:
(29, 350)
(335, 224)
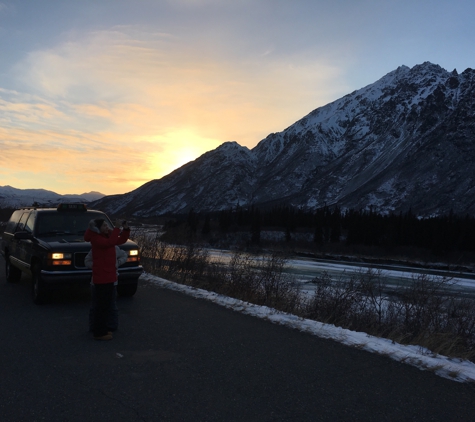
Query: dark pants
(103, 300)
(113, 315)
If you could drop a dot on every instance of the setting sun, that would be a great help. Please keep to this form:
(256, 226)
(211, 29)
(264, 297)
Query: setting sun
(175, 149)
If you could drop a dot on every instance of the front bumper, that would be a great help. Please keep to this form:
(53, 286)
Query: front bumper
(127, 275)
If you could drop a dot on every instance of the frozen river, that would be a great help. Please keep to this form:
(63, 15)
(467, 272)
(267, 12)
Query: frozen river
(306, 269)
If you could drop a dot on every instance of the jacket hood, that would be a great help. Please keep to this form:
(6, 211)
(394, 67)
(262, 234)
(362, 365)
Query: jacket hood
(91, 231)
(93, 227)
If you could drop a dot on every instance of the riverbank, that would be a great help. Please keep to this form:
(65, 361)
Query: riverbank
(442, 267)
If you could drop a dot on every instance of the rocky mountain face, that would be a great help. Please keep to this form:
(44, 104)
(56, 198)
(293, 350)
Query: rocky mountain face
(11, 197)
(404, 142)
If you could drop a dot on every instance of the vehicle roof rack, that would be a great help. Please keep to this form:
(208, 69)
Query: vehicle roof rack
(71, 206)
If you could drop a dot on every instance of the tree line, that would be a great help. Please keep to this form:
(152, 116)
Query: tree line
(440, 234)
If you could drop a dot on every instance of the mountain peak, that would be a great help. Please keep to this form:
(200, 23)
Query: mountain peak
(229, 146)
(403, 142)
(232, 150)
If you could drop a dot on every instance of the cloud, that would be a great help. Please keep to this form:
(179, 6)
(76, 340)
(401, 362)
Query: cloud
(171, 77)
(127, 105)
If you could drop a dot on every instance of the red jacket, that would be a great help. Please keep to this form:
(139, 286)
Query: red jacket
(103, 254)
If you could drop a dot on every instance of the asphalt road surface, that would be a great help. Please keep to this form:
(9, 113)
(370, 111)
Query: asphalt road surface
(175, 358)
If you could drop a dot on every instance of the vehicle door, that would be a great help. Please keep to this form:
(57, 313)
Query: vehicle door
(29, 246)
(21, 249)
(17, 248)
(7, 236)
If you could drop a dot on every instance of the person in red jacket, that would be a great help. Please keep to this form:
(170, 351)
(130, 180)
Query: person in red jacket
(104, 271)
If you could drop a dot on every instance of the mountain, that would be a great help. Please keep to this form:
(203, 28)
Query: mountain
(405, 142)
(13, 198)
(86, 196)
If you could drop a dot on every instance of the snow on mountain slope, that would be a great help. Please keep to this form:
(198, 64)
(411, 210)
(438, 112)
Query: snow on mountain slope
(403, 142)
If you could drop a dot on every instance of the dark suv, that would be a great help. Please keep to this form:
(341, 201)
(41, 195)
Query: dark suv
(48, 244)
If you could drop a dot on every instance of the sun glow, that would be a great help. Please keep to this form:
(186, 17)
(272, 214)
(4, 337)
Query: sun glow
(177, 149)
(124, 105)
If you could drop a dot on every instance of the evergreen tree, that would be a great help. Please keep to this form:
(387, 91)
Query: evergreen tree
(206, 226)
(192, 222)
(288, 235)
(256, 228)
(335, 223)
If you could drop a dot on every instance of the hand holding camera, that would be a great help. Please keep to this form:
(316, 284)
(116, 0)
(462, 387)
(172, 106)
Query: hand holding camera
(121, 223)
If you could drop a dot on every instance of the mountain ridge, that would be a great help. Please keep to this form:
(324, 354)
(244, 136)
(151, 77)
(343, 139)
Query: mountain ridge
(11, 197)
(404, 142)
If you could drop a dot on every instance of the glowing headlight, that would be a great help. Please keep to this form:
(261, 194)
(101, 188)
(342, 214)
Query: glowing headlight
(61, 255)
(59, 258)
(133, 256)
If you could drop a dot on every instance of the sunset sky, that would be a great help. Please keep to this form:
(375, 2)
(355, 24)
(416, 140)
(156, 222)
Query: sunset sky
(107, 95)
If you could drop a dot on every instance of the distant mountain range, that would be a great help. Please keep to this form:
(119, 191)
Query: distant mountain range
(13, 198)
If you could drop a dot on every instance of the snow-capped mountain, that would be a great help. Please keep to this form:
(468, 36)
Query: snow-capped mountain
(13, 198)
(405, 142)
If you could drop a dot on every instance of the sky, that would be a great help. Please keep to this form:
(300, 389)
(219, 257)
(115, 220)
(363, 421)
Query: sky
(106, 95)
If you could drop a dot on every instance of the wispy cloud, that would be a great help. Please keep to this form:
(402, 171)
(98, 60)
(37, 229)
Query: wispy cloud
(125, 106)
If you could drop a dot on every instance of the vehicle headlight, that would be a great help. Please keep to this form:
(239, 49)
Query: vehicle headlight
(59, 255)
(133, 255)
(60, 258)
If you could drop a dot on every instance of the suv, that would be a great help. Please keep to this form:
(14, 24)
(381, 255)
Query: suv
(48, 244)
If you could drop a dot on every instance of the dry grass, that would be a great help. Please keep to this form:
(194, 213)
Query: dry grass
(420, 313)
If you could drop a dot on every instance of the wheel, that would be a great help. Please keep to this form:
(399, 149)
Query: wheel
(38, 288)
(126, 290)
(13, 274)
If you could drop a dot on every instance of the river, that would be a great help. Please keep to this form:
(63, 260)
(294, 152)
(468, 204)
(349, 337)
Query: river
(306, 269)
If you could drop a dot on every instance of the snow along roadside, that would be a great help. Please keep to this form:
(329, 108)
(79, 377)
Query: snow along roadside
(422, 358)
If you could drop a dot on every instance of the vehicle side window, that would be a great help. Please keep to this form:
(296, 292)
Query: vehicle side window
(21, 223)
(12, 223)
(30, 223)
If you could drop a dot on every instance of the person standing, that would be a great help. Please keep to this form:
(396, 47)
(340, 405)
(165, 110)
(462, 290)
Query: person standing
(113, 317)
(104, 269)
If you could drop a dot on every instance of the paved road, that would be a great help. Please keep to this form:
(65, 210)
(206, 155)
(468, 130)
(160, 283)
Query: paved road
(176, 358)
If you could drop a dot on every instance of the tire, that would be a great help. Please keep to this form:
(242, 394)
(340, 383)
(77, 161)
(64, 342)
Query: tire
(126, 290)
(12, 273)
(38, 288)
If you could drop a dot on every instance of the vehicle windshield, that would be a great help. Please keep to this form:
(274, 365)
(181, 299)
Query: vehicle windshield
(65, 223)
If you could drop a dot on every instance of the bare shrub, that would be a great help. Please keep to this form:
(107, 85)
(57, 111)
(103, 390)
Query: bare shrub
(258, 279)
(241, 278)
(461, 314)
(276, 287)
(180, 262)
(334, 301)
(424, 303)
(262, 280)
(423, 311)
(373, 299)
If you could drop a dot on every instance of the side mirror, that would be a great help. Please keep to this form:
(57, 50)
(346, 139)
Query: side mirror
(23, 236)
